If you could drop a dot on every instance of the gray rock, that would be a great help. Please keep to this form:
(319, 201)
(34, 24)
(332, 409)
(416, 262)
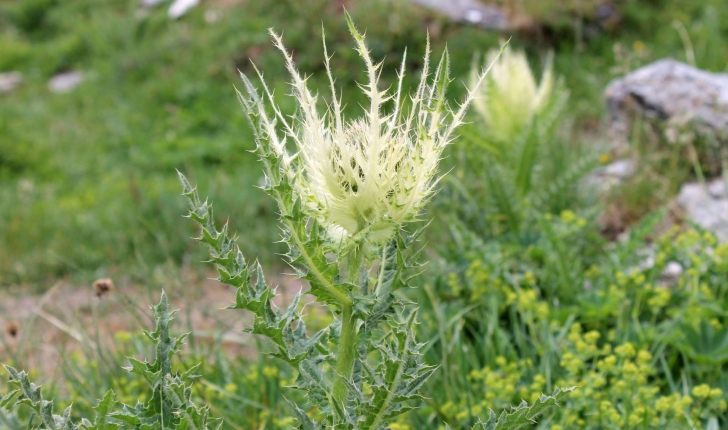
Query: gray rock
(706, 206)
(471, 11)
(9, 81)
(622, 169)
(670, 275)
(180, 7)
(612, 174)
(65, 82)
(716, 189)
(672, 270)
(151, 3)
(670, 91)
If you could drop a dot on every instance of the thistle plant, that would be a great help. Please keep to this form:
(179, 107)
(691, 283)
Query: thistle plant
(511, 98)
(346, 191)
(520, 165)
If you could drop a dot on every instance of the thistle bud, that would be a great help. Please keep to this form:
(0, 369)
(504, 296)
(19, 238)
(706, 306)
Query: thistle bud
(510, 99)
(362, 178)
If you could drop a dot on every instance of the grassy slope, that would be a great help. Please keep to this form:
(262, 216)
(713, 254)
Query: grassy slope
(87, 178)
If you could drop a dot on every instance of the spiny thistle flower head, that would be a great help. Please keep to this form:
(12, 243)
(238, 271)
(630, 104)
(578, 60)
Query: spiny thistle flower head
(363, 178)
(510, 99)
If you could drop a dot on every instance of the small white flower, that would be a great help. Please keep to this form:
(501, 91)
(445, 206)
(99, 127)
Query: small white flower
(510, 99)
(363, 178)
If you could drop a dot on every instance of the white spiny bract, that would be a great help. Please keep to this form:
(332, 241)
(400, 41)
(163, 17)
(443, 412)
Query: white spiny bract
(511, 98)
(365, 177)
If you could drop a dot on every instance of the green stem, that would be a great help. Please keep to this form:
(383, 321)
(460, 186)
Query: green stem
(346, 354)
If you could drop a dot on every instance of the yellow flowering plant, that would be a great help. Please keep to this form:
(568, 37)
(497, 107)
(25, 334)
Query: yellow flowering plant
(639, 326)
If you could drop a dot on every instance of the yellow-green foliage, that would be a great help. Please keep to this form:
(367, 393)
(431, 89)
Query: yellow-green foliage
(644, 349)
(621, 389)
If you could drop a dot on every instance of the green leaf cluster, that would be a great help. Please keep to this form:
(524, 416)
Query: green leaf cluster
(387, 368)
(523, 415)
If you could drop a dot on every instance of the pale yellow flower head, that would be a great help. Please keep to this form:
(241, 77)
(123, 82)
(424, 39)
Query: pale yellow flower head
(511, 98)
(367, 180)
(363, 178)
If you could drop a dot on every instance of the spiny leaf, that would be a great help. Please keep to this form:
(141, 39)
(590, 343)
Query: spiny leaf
(307, 255)
(170, 406)
(399, 376)
(304, 421)
(6, 399)
(524, 415)
(27, 393)
(285, 328)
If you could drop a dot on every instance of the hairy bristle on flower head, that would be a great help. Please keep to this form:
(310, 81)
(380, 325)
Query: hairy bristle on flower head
(511, 98)
(365, 176)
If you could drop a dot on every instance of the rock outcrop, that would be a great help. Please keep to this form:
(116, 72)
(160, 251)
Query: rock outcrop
(9, 81)
(671, 92)
(595, 15)
(707, 206)
(471, 11)
(65, 82)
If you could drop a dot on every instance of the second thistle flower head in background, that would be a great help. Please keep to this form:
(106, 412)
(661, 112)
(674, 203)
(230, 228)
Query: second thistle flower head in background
(363, 178)
(511, 98)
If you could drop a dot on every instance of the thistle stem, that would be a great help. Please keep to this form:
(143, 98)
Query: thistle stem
(346, 354)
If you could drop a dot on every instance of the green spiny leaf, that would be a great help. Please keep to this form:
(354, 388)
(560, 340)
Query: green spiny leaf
(304, 421)
(10, 397)
(170, 406)
(284, 327)
(524, 415)
(400, 374)
(106, 418)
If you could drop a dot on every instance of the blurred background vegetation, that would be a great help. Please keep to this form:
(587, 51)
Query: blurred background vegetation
(87, 177)
(523, 273)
